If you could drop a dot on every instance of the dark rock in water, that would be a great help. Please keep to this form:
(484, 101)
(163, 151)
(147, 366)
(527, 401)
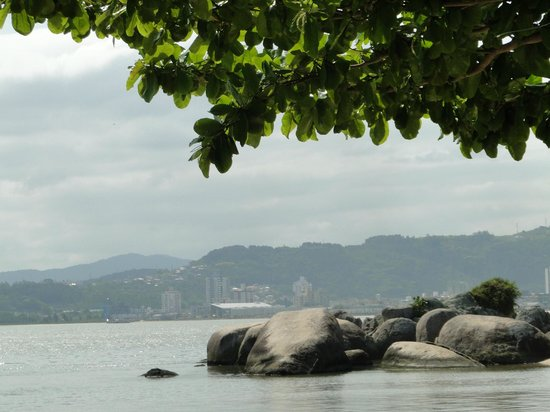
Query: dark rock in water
(495, 340)
(159, 373)
(424, 355)
(353, 335)
(429, 325)
(535, 316)
(394, 330)
(298, 342)
(224, 344)
(358, 358)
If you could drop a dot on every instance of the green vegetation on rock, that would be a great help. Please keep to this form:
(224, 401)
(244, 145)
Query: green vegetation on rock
(498, 294)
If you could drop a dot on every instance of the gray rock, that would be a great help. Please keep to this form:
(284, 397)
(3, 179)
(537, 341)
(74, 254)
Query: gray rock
(340, 314)
(394, 330)
(424, 355)
(392, 313)
(429, 325)
(224, 344)
(370, 324)
(248, 342)
(495, 340)
(465, 303)
(358, 358)
(433, 303)
(535, 316)
(299, 342)
(353, 335)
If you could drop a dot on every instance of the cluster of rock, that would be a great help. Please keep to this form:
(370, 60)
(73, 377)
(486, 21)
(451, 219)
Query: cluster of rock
(453, 334)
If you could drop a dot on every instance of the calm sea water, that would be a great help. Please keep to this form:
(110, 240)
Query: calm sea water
(96, 367)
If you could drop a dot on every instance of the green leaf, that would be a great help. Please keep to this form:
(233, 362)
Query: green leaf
(135, 73)
(533, 59)
(324, 116)
(148, 86)
(4, 12)
(379, 132)
(469, 86)
(356, 128)
(239, 129)
(22, 23)
(288, 123)
(204, 161)
(221, 109)
(181, 101)
(41, 8)
(222, 153)
(517, 150)
(305, 131)
(208, 127)
(57, 23)
(311, 36)
(202, 8)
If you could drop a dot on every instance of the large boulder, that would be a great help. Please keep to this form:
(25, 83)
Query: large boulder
(429, 325)
(394, 330)
(494, 339)
(535, 316)
(353, 336)
(298, 342)
(224, 344)
(248, 342)
(424, 355)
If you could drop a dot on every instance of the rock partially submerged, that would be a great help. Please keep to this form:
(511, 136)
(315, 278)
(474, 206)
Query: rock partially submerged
(298, 342)
(224, 344)
(495, 340)
(424, 355)
(159, 373)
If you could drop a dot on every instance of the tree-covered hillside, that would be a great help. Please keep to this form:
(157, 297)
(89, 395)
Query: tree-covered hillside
(390, 265)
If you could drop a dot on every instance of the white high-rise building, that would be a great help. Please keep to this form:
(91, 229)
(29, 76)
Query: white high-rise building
(303, 292)
(217, 290)
(171, 301)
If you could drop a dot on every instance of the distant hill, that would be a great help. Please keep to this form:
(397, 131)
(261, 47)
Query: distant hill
(390, 265)
(104, 267)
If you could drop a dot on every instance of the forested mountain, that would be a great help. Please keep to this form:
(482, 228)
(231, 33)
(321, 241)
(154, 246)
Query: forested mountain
(115, 264)
(390, 265)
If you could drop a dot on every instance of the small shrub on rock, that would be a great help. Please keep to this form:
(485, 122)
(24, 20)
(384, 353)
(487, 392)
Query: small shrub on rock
(498, 294)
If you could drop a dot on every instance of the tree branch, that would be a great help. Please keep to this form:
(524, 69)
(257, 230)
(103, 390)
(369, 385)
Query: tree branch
(515, 44)
(470, 3)
(369, 62)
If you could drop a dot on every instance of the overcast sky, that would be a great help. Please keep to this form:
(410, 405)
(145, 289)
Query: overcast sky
(89, 170)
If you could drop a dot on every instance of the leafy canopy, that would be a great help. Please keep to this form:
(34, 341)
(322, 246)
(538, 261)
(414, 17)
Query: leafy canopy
(477, 68)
